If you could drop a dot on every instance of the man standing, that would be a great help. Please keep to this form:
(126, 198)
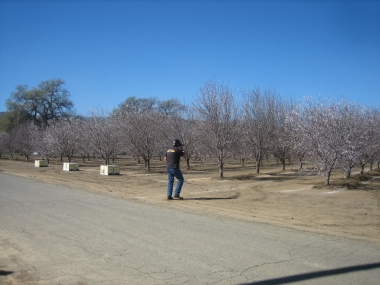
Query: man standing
(172, 158)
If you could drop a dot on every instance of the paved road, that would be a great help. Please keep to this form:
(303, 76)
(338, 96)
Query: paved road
(60, 235)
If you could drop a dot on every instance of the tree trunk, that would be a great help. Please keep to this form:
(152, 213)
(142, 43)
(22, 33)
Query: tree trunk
(283, 163)
(221, 168)
(242, 162)
(301, 164)
(147, 163)
(258, 166)
(362, 168)
(348, 173)
(327, 177)
(188, 162)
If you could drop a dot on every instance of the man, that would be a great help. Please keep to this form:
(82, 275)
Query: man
(172, 159)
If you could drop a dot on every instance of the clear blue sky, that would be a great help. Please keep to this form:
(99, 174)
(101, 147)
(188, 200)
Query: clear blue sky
(107, 51)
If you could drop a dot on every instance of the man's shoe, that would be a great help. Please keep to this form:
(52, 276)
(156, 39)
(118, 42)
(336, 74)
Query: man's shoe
(170, 198)
(178, 197)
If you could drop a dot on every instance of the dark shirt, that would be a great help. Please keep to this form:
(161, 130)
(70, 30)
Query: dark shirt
(173, 156)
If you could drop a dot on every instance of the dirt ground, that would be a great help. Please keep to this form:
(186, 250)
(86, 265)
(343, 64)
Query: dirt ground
(283, 198)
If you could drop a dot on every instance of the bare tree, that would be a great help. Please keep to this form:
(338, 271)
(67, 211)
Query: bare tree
(259, 122)
(369, 140)
(183, 128)
(297, 139)
(142, 131)
(282, 136)
(217, 114)
(43, 144)
(86, 148)
(63, 137)
(103, 136)
(352, 136)
(25, 138)
(374, 133)
(323, 128)
(19, 139)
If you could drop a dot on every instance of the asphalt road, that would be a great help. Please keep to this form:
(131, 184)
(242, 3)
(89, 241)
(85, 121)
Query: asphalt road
(53, 234)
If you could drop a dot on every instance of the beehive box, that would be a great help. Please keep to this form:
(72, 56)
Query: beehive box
(70, 166)
(40, 163)
(109, 170)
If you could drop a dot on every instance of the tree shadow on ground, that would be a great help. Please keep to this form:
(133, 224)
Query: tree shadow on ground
(367, 181)
(317, 274)
(263, 177)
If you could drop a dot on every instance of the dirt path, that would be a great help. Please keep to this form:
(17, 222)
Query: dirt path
(282, 198)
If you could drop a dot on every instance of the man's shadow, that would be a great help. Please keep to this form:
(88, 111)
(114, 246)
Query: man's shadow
(235, 196)
(4, 273)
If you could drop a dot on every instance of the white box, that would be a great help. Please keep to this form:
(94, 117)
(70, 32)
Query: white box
(40, 163)
(70, 166)
(109, 170)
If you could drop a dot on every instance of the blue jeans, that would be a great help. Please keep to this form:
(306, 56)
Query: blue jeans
(177, 173)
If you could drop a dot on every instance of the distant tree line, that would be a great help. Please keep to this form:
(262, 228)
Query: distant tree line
(220, 123)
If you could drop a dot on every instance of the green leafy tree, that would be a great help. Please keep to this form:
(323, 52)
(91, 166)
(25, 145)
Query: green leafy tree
(137, 105)
(45, 103)
(171, 107)
(10, 120)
